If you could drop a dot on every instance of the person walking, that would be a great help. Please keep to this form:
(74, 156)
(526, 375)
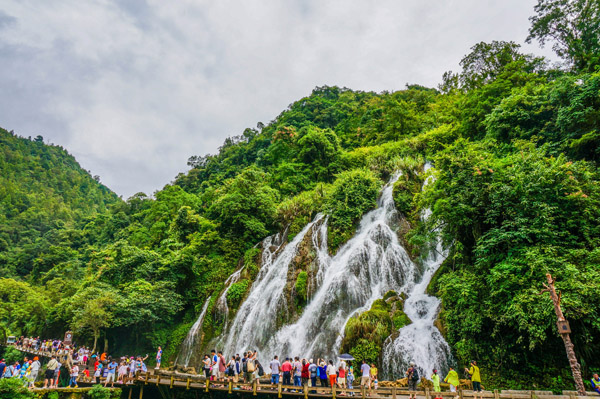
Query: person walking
(49, 376)
(275, 367)
(412, 377)
(452, 379)
(435, 378)
(74, 374)
(475, 379)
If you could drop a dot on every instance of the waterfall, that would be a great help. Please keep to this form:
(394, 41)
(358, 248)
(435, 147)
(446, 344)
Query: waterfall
(420, 341)
(364, 269)
(371, 263)
(191, 340)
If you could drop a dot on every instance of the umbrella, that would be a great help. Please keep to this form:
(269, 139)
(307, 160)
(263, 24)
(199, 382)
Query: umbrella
(346, 356)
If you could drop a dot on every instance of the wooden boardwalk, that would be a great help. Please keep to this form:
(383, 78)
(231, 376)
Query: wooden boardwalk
(165, 381)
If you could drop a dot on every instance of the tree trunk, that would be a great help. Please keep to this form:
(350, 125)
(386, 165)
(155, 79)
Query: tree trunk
(575, 367)
(96, 334)
(105, 343)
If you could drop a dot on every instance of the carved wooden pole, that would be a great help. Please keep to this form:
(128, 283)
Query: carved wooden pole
(564, 334)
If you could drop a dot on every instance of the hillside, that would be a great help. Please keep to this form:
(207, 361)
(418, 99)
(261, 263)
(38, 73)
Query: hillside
(514, 145)
(45, 198)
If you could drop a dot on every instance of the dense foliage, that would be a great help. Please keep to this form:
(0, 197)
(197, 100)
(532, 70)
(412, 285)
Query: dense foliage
(515, 145)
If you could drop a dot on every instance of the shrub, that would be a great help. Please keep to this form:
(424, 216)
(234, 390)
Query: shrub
(300, 287)
(11, 388)
(236, 292)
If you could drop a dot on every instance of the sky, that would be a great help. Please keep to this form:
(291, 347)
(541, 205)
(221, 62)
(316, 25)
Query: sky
(133, 88)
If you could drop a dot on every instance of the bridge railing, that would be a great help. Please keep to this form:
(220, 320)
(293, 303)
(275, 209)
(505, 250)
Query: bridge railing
(261, 387)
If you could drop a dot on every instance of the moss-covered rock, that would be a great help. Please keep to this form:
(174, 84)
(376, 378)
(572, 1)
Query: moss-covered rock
(365, 333)
(236, 292)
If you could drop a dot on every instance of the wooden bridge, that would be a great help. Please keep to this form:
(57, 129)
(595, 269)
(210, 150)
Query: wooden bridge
(166, 381)
(168, 384)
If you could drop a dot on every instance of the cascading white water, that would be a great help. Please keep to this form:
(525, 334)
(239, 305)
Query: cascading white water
(192, 339)
(363, 270)
(256, 320)
(420, 341)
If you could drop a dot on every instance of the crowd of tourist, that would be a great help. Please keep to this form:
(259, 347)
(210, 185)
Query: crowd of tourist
(79, 362)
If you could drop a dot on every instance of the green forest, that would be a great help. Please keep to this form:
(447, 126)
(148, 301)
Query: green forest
(515, 145)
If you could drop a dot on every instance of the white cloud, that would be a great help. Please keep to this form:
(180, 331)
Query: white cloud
(133, 89)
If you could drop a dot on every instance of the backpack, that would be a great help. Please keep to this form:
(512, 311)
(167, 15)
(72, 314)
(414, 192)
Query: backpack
(245, 366)
(415, 375)
(261, 371)
(237, 367)
(250, 366)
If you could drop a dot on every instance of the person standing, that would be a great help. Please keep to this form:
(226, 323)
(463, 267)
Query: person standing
(435, 378)
(323, 373)
(35, 369)
(332, 373)
(297, 372)
(452, 379)
(305, 372)
(286, 368)
(475, 378)
(313, 372)
(158, 357)
(412, 376)
(222, 366)
(49, 376)
(342, 376)
(98, 373)
(2, 367)
(110, 376)
(595, 382)
(350, 379)
(365, 379)
(275, 366)
(206, 366)
(374, 377)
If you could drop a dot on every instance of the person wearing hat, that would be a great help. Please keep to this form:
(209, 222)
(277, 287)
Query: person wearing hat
(435, 378)
(475, 378)
(34, 369)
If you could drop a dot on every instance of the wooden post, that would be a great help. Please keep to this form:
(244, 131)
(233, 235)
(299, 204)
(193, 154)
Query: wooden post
(254, 385)
(157, 380)
(279, 390)
(230, 385)
(460, 393)
(207, 383)
(130, 390)
(362, 389)
(171, 384)
(147, 377)
(427, 393)
(496, 394)
(333, 391)
(393, 392)
(305, 388)
(575, 367)
(141, 391)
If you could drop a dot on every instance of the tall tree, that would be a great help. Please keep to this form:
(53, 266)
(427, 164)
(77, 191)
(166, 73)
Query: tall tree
(574, 28)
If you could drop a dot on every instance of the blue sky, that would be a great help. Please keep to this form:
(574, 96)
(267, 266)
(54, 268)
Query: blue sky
(134, 88)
